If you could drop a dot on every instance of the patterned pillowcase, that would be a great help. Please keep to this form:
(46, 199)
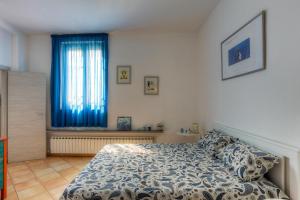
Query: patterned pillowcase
(207, 137)
(248, 162)
(215, 140)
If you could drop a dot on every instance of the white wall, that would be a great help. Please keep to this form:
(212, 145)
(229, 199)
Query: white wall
(171, 56)
(12, 47)
(266, 103)
(19, 45)
(5, 47)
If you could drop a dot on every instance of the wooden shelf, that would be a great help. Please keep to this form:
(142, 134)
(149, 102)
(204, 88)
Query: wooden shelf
(104, 133)
(188, 134)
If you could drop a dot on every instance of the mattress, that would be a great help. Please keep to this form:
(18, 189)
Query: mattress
(163, 171)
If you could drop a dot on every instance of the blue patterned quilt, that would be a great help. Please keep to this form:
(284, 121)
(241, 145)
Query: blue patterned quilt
(162, 171)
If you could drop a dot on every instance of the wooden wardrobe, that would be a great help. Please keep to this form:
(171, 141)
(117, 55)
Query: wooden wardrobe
(26, 116)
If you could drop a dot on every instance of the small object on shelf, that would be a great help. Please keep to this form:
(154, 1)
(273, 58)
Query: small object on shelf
(140, 129)
(187, 134)
(148, 127)
(195, 128)
(124, 123)
(185, 131)
(160, 126)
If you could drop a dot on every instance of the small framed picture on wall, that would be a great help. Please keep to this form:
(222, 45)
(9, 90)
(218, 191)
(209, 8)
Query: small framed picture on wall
(151, 85)
(124, 123)
(124, 74)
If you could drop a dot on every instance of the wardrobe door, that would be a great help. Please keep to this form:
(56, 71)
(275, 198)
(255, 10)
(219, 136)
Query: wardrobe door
(26, 116)
(3, 102)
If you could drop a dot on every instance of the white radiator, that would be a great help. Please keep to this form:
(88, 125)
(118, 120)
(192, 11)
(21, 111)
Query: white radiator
(89, 145)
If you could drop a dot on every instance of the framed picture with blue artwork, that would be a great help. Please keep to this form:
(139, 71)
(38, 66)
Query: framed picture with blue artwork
(244, 51)
(124, 123)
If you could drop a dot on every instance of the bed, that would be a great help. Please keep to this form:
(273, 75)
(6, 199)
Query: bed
(163, 171)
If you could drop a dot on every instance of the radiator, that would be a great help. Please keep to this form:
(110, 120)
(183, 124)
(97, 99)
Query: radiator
(89, 145)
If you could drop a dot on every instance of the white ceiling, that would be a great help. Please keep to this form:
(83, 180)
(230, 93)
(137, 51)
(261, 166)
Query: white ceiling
(73, 16)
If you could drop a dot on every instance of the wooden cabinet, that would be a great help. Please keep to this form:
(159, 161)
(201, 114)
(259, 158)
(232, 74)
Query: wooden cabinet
(26, 116)
(3, 102)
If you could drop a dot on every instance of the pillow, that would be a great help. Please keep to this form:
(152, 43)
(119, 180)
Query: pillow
(215, 140)
(248, 162)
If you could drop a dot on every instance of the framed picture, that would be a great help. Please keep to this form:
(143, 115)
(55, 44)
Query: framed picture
(151, 85)
(124, 74)
(244, 51)
(124, 123)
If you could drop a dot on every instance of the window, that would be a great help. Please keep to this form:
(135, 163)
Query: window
(74, 78)
(79, 80)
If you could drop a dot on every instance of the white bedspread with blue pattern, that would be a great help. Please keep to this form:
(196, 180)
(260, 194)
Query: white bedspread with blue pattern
(162, 171)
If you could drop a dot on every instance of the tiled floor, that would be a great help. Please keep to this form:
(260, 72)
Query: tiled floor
(42, 179)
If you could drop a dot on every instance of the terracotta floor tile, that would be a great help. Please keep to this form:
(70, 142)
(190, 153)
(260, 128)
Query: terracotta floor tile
(42, 179)
(57, 192)
(70, 177)
(42, 172)
(54, 159)
(43, 196)
(80, 166)
(39, 166)
(31, 192)
(69, 174)
(21, 173)
(53, 163)
(70, 159)
(9, 182)
(26, 185)
(20, 167)
(23, 178)
(62, 167)
(10, 189)
(48, 177)
(68, 171)
(10, 165)
(54, 183)
(35, 162)
(12, 196)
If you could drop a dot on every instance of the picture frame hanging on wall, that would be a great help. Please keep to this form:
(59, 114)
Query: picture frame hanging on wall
(244, 51)
(124, 123)
(124, 74)
(151, 85)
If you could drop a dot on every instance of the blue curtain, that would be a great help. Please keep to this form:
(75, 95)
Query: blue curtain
(79, 80)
